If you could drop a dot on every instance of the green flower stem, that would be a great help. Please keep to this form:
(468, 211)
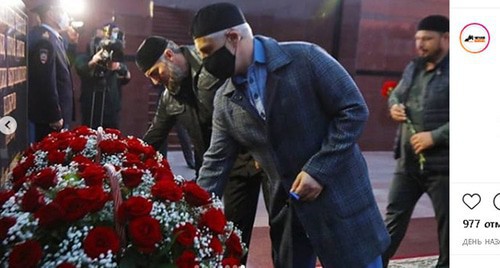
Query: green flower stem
(421, 157)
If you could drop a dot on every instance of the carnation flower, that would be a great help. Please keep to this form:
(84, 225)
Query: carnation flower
(388, 87)
(93, 198)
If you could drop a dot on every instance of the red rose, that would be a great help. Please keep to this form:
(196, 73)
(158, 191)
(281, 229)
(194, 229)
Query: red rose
(29, 161)
(32, 200)
(163, 173)
(22, 167)
(50, 216)
(56, 157)
(145, 232)
(99, 240)
(63, 138)
(113, 131)
(149, 151)
(78, 144)
(18, 183)
(83, 130)
(19, 171)
(186, 260)
(5, 224)
(95, 197)
(231, 262)
(45, 178)
(112, 146)
(216, 245)
(132, 177)
(93, 174)
(47, 145)
(233, 244)
(132, 160)
(26, 255)
(63, 142)
(4, 196)
(195, 195)
(135, 146)
(134, 207)
(214, 219)
(82, 161)
(167, 190)
(185, 234)
(388, 87)
(74, 207)
(152, 165)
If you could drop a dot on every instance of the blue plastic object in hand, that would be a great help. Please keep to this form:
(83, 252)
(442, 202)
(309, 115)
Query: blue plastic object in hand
(294, 195)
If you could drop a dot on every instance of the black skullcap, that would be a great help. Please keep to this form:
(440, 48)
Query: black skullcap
(149, 52)
(435, 23)
(216, 17)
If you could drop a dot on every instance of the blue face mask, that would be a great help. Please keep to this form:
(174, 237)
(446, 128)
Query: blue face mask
(221, 63)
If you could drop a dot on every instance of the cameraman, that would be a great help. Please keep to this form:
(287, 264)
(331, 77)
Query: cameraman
(102, 73)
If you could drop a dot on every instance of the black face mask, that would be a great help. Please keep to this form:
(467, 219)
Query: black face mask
(220, 64)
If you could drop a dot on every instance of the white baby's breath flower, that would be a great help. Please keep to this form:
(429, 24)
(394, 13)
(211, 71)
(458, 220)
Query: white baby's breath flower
(66, 243)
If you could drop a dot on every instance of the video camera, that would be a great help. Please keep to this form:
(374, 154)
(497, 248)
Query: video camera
(112, 51)
(110, 40)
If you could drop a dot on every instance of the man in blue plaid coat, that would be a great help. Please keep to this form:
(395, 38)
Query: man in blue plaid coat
(299, 114)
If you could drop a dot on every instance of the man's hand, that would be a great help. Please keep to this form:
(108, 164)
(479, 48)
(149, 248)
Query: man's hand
(113, 66)
(96, 58)
(398, 112)
(57, 125)
(306, 187)
(421, 141)
(73, 35)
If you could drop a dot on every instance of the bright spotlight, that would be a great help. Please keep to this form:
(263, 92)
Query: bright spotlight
(14, 3)
(74, 7)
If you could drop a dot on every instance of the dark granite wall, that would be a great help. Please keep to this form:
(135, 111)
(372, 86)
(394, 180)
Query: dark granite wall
(373, 39)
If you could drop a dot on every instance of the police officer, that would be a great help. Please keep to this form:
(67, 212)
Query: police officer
(50, 90)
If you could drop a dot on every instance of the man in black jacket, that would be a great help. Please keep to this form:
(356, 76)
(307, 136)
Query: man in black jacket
(188, 100)
(102, 73)
(420, 103)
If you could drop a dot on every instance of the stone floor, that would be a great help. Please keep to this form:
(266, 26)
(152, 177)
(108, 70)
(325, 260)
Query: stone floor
(380, 165)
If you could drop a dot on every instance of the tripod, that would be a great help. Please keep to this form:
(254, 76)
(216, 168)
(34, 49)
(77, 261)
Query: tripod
(100, 87)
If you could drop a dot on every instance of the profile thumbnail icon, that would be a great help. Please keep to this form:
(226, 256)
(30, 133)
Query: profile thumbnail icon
(474, 38)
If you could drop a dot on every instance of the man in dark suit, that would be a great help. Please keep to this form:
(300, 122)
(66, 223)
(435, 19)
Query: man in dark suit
(299, 113)
(50, 91)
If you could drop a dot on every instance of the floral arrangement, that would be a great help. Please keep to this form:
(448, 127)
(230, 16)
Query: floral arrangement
(87, 198)
(387, 87)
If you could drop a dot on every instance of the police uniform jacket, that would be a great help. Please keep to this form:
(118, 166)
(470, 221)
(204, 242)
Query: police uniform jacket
(50, 87)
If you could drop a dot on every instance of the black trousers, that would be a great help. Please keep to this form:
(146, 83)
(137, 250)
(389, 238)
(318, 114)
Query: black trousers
(406, 189)
(241, 197)
(43, 130)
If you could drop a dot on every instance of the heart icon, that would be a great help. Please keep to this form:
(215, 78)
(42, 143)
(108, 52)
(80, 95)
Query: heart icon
(496, 201)
(472, 200)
